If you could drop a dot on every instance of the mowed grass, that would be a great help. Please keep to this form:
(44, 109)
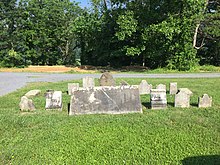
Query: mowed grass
(171, 136)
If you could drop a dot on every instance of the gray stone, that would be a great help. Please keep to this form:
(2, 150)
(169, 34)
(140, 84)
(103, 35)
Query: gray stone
(186, 90)
(88, 82)
(205, 101)
(72, 87)
(161, 86)
(182, 99)
(158, 99)
(123, 83)
(107, 79)
(144, 87)
(26, 104)
(33, 93)
(53, 100)
(105, 100)
(173, 88)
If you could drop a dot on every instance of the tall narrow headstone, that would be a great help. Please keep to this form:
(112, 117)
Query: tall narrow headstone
(158, 99)
(173, 88)
(144, 87)
(88, 82)
(205, 101)
(105, 100)
(53, 100)
(72, 87)
(161, 86)
(107, 79)
(182, 99)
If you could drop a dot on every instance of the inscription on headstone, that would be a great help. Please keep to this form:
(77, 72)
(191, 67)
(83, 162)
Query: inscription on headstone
(72, 87)
(88, 82)
(53, 100)
(182, 99)
(144, 87)
(205, 101)
(158, 99)
(106, 100)
(173, 88)
(107, 79)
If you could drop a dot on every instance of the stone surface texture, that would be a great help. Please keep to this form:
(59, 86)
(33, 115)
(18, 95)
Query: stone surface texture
(88, 82)
(161, 86)
(173, 88)
(105, 100)
(182, 99)
(186, 90)
(26, 104)
(53, 100)
(205, 101)
(72, 87)
(158, 99)
(33, 93)
(107, 79)
(144, 87)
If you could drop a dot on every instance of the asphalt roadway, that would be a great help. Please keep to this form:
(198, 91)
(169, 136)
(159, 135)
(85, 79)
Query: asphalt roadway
(11, 81)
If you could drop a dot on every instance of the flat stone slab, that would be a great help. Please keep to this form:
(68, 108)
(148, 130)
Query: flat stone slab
(33, 93)
(106, 100)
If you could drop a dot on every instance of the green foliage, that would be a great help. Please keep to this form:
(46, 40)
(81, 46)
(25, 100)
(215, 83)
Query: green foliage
(154, 137)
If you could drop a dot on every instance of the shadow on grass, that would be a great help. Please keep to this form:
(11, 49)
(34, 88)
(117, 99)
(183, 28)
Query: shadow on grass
(202, 160)
(146, 105)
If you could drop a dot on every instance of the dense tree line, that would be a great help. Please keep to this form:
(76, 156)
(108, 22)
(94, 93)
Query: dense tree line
(178, 34)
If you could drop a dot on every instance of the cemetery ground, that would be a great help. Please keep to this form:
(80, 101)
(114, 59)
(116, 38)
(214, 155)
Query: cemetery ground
(172, 136)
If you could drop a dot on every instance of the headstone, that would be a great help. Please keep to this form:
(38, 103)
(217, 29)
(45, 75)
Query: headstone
(88, 82)
(105, 100)
(161, 86)
(53, 100)
(72, 87)
(144, 87)
(26, 104)
(186, 90)
(123, 83)
(205, 101)
(173, 88)
(33, 93)
(158, 99)
(182, 99)
(107, 79)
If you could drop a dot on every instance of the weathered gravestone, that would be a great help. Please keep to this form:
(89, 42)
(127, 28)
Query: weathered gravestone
(105, 100)
(161, 86)
(53, 100)
(205, 101)
(33, 93)
(158, 99)
(144, 87)
(173, 88)
(107, 79)
(88, 82)
(26, 104)
(182, 99)
(72, 87)
(186, 90)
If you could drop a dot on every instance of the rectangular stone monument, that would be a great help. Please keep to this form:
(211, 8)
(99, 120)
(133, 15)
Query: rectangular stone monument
(105, 100)
(173, 88)
(144, 87)
(205, 101)
(186, 90)
(53, 100)
(182, 99)
(88, 82)
(158, 99)
(72, 87)
(161, 86)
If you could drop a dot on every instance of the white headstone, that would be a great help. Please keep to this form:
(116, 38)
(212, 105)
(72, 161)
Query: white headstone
(88, 82)
(54, 100)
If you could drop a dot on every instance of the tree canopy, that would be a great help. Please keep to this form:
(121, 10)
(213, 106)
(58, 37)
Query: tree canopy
(177, 34)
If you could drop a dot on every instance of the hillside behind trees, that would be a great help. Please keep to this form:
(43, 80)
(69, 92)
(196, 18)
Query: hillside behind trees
(177, 34)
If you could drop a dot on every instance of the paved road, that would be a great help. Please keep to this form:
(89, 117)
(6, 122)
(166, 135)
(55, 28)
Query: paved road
(10, 82)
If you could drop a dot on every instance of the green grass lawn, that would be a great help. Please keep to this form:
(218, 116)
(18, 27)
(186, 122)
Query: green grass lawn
(172, 136)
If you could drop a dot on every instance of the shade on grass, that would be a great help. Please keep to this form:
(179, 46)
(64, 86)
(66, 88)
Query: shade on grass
(172, 136)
